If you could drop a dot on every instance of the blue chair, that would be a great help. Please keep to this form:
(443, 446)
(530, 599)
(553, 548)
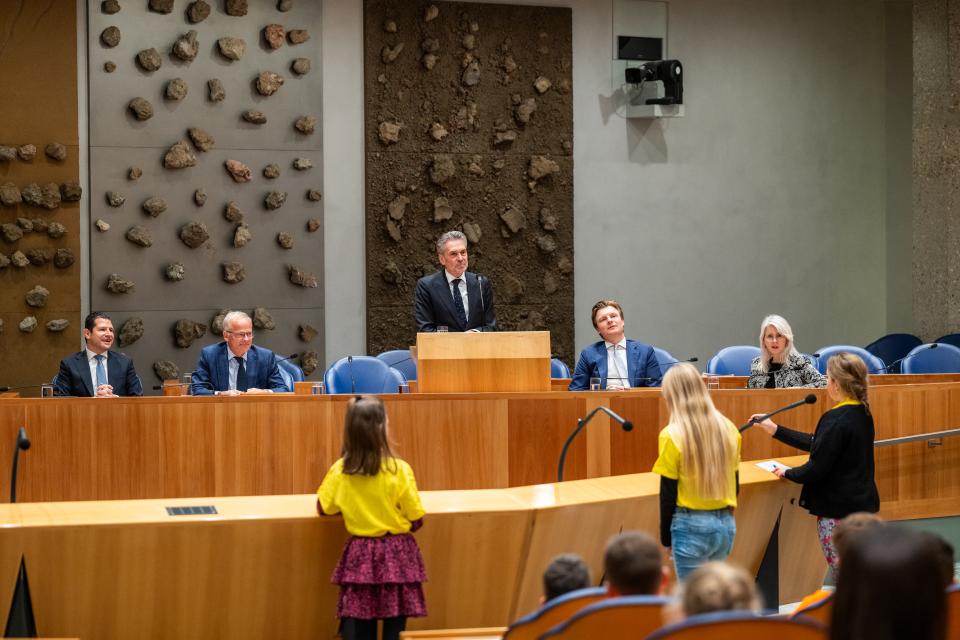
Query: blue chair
(532, 625)
(559, 368)
(894, 346)
(664, 360)
(400, 360)
(874, 364)
(950, 338)
(945, 358)
(612, 618)
(733, 361)
(362, 374)
(290, 373)
(742, 625)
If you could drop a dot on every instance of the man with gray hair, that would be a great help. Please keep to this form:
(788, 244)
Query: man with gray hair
(453, 299)
(236, 365)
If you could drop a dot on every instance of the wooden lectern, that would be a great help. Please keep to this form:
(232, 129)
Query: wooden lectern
(489, 361)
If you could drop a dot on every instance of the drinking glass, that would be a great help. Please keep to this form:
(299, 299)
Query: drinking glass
(595, 384)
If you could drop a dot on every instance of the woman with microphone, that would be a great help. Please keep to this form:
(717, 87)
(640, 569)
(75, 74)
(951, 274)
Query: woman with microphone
(838, 479)
(779, 364)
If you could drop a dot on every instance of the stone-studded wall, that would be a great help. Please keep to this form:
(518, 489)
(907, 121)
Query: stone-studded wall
(39, 194)
(936, 167)
(469, 126)
(206, 174)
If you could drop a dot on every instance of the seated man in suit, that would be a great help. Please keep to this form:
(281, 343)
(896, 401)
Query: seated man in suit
(236, 365)
(452, 297)
(96, 371)
(618, 362)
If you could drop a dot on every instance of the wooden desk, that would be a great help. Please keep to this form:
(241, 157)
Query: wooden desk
(261, 567)
(130, 448)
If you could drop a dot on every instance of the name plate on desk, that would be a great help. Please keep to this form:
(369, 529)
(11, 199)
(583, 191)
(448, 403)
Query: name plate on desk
(483, 361)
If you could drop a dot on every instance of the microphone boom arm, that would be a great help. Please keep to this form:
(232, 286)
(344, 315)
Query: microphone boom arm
(581, 423)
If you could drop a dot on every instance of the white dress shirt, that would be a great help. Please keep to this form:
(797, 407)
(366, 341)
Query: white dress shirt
(92, 361)
(463, 289)
(617, 371)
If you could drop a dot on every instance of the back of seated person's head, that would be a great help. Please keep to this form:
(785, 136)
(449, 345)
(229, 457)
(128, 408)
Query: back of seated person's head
(718, 586)
(891, 586)
(849, 527)
(944, 552)
(633, 564)
(567, 572)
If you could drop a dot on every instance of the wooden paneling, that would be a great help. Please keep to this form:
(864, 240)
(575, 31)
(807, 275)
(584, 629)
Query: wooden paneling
(477, 361)
(261, 567)
(126, 448)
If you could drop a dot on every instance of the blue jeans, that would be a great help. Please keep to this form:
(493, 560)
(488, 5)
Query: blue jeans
(700, 536)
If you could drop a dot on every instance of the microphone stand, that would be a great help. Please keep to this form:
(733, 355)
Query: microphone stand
(581, 423)
(23, 442)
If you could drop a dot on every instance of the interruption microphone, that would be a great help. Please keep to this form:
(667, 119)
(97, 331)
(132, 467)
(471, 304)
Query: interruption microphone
(353, 381)
(23, 443)
(22, 387)
(160, 387)
(581, 423)
(668, 364)
(810, 399)
(933, 345)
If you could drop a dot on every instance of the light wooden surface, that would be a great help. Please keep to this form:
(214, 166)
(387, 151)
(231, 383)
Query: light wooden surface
(129, 448)
(483, 361)
(740, 382)
(261, 566)
(479, 633)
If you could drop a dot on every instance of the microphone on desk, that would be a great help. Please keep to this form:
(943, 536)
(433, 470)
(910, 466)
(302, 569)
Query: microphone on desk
(22, 387)
(810, 399)
(22, 443)
(933, 345)
(669, 364)
(581, 423)
(353, 381)
(289, 357)
(160, 387)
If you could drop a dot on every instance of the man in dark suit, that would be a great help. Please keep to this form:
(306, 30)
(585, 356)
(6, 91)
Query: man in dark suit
(96, 371)
(452, 297)
(618, 362)
(235, 365)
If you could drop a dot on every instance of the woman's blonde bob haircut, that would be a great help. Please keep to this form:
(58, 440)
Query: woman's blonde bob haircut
(706, 442)
(783, 328)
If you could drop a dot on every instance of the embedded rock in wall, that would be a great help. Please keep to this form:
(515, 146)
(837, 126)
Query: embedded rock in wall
(233, 272)
(8, 154)
(10, 194)
(198, 11)
(56, 151)
(37, 297)
(472, 231)
(27, 152)
(117, 284)
(542, 84)
(302, 164)
(298, 36)
(38, 257)
(174, 272)
(263, 320)
(236, 8)
(273, 35)
(166, 370)
(540, 167)
(134, 173)
(389, 54)
(46, 196)
(115, 199)
(19, 259)
(154, 206)
(305, 124)
(546, 244)
(514, 219)
(471, 75)
(56, 230)
(186, 47)
(58, 325)
(26, 224)
(303, 278)
(525, 110)
(109, 66)
(4, 261)
(313, 224)
(394, 230)
(441, 209)
(275, 200)
(102, 225)
(139, 236)
(232, 212)
(110, 37)
(179, 156)
(186, 331)
(254, 117)
(307, 333)
(200, 197)
(300, 66)
(268, 83)
(442, 169)
(238, 171)
(63, 258)
(232, 48)
(11, 232)
(284, 5)
(28, 324)
(71, 191)
(397, 207)
(194, 234)
(391, 273)
(438, 132)
(285, 240)
(242, 235)
(548, 220)
(161, 6)
(176, 89)
(130, 331)
(215, 91)
(309, 361)
(216, 324)
(314, 195)
(202, 140)
(149, 59)
(389, 132)
(430, 13)
(110, 7)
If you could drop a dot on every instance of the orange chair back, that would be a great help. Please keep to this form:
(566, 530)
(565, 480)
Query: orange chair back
(741, 625)
(553, 613)
(953, 611)
(633, 616)
(821, 610)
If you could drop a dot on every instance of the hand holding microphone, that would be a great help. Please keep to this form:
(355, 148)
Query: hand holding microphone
(763, 419)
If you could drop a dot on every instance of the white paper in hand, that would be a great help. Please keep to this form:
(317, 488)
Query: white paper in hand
(770, 465)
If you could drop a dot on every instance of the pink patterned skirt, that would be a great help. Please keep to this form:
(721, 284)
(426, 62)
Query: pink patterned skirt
(380, 578)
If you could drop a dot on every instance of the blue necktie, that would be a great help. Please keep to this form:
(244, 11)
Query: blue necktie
(101, 372)
(458, 302)
(241, 374)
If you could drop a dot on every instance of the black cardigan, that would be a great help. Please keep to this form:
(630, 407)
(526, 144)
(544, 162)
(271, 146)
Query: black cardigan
(838, 478)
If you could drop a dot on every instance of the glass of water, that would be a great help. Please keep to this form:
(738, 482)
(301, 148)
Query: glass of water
(46, 391)
(316, 389)
(187, 382)
(442, 329)
(595, 384)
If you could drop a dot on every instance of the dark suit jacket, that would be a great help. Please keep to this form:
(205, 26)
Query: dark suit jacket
(74, 376)
(434, 304)
(642, 366)
(213, 373)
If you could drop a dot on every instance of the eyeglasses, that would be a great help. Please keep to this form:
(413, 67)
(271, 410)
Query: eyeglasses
(243, 335)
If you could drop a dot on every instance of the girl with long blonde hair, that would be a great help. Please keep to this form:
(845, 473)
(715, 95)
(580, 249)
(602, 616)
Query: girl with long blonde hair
(699, 458)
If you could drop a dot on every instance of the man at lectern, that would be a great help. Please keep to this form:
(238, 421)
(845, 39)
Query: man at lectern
(617, 362)
(453, 299)
(96, 371)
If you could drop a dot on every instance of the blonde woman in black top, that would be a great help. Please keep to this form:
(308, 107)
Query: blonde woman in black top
(838, 479)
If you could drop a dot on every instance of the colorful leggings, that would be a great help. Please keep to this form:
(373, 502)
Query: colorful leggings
(825, 527)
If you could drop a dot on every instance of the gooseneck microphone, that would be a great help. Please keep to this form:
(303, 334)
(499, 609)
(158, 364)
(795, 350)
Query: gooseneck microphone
(933, 345)
(810, 399)
(581, 423)
(160, 387)
(22, 387)
(661, 364)
(353, 381)
(23, 443)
